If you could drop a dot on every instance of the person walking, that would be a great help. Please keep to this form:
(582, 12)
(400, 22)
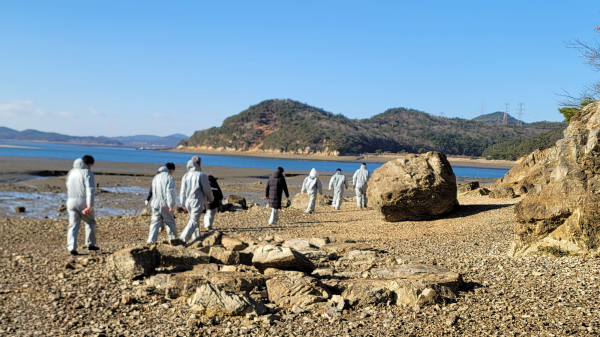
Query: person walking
(162, 203)
(361, 176)
(338, 183)
(275, 188)
(81, 187)
(213, 207)
(195, 192)
(312, 185)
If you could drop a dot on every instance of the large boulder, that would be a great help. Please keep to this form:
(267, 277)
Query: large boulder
(281, 258)
(211, 300)
(415, 187)
(132, 263)
(467, 187)
(559, 214)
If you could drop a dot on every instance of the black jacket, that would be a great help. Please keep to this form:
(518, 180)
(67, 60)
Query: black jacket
(217, 193)
(275, 187)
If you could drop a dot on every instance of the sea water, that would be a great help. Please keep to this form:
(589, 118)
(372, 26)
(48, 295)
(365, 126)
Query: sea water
(131, 155)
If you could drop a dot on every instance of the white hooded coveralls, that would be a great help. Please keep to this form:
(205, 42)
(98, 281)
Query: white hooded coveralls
(312, 185)
(361, 176)
(338, 183)
(81, 186)
(195, 192)
(163, 197)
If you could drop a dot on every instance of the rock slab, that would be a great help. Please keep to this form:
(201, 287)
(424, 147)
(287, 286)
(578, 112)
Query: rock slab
(211, 300)
(415, 187)
(281, 258)
(132, 263)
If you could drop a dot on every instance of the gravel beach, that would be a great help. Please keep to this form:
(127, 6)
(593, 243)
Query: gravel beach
(46, 292)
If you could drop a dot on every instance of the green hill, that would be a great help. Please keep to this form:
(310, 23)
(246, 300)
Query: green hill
(293, 127)
(515, 148)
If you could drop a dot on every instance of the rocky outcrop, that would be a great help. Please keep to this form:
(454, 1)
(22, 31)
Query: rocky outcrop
(560, 213)
(294, 288)
(179, 256)
(211, 300)
(415, 187)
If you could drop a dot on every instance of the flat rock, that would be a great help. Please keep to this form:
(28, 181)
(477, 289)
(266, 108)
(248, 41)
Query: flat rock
(318, 242)
(502, 192)
(281, 258)
(132, 263)
(420, 272)
(356, 255)
(211, 300)
(297, 244)
(470, 186)
(344, 248)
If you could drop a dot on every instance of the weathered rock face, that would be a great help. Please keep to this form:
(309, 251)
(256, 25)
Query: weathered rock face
(415, 187)
(281, 258)
(296, 289)
(211, 300)
(560, 214)
(131, 263)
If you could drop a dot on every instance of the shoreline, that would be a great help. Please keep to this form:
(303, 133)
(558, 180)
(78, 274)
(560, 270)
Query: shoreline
(457, 162)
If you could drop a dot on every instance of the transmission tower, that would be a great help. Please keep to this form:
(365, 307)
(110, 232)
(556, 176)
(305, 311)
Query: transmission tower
(521, 113)
(470, 114)
(505, 117)
(482, 108)
(442, 114)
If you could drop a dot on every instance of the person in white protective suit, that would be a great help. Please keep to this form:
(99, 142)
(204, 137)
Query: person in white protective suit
(81, 186)
(338, 183)
(361, 176)
(195, 193)
(312, 185)
(163, 203)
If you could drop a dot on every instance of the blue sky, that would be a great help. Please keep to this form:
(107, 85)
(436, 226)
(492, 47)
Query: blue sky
(162, 67)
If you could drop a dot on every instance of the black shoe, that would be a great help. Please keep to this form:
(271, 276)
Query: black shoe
(93, 248)
(73, 252)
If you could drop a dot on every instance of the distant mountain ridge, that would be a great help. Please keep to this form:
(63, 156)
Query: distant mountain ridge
(171, 141)
(34, 135)
(287, 126)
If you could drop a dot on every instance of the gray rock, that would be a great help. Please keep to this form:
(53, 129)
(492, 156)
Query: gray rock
(296, 289)
(211, 300)
(131, 263)
(281, 258)
(179, 256)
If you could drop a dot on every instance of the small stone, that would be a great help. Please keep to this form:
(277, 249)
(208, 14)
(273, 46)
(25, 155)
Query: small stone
(296, 309)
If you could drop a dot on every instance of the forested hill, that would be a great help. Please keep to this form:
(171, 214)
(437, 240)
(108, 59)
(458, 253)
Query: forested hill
(294, 127)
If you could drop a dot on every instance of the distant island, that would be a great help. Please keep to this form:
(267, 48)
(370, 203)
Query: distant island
(291, 127)
(145, 141)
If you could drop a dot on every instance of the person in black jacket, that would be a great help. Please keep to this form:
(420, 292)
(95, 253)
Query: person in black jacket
(275, 187)
(213, 207)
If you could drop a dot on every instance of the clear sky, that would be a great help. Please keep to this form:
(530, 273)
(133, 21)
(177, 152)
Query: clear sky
(162, 67)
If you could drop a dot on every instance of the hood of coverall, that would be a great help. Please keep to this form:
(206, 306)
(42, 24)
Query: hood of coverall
(79, 164)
